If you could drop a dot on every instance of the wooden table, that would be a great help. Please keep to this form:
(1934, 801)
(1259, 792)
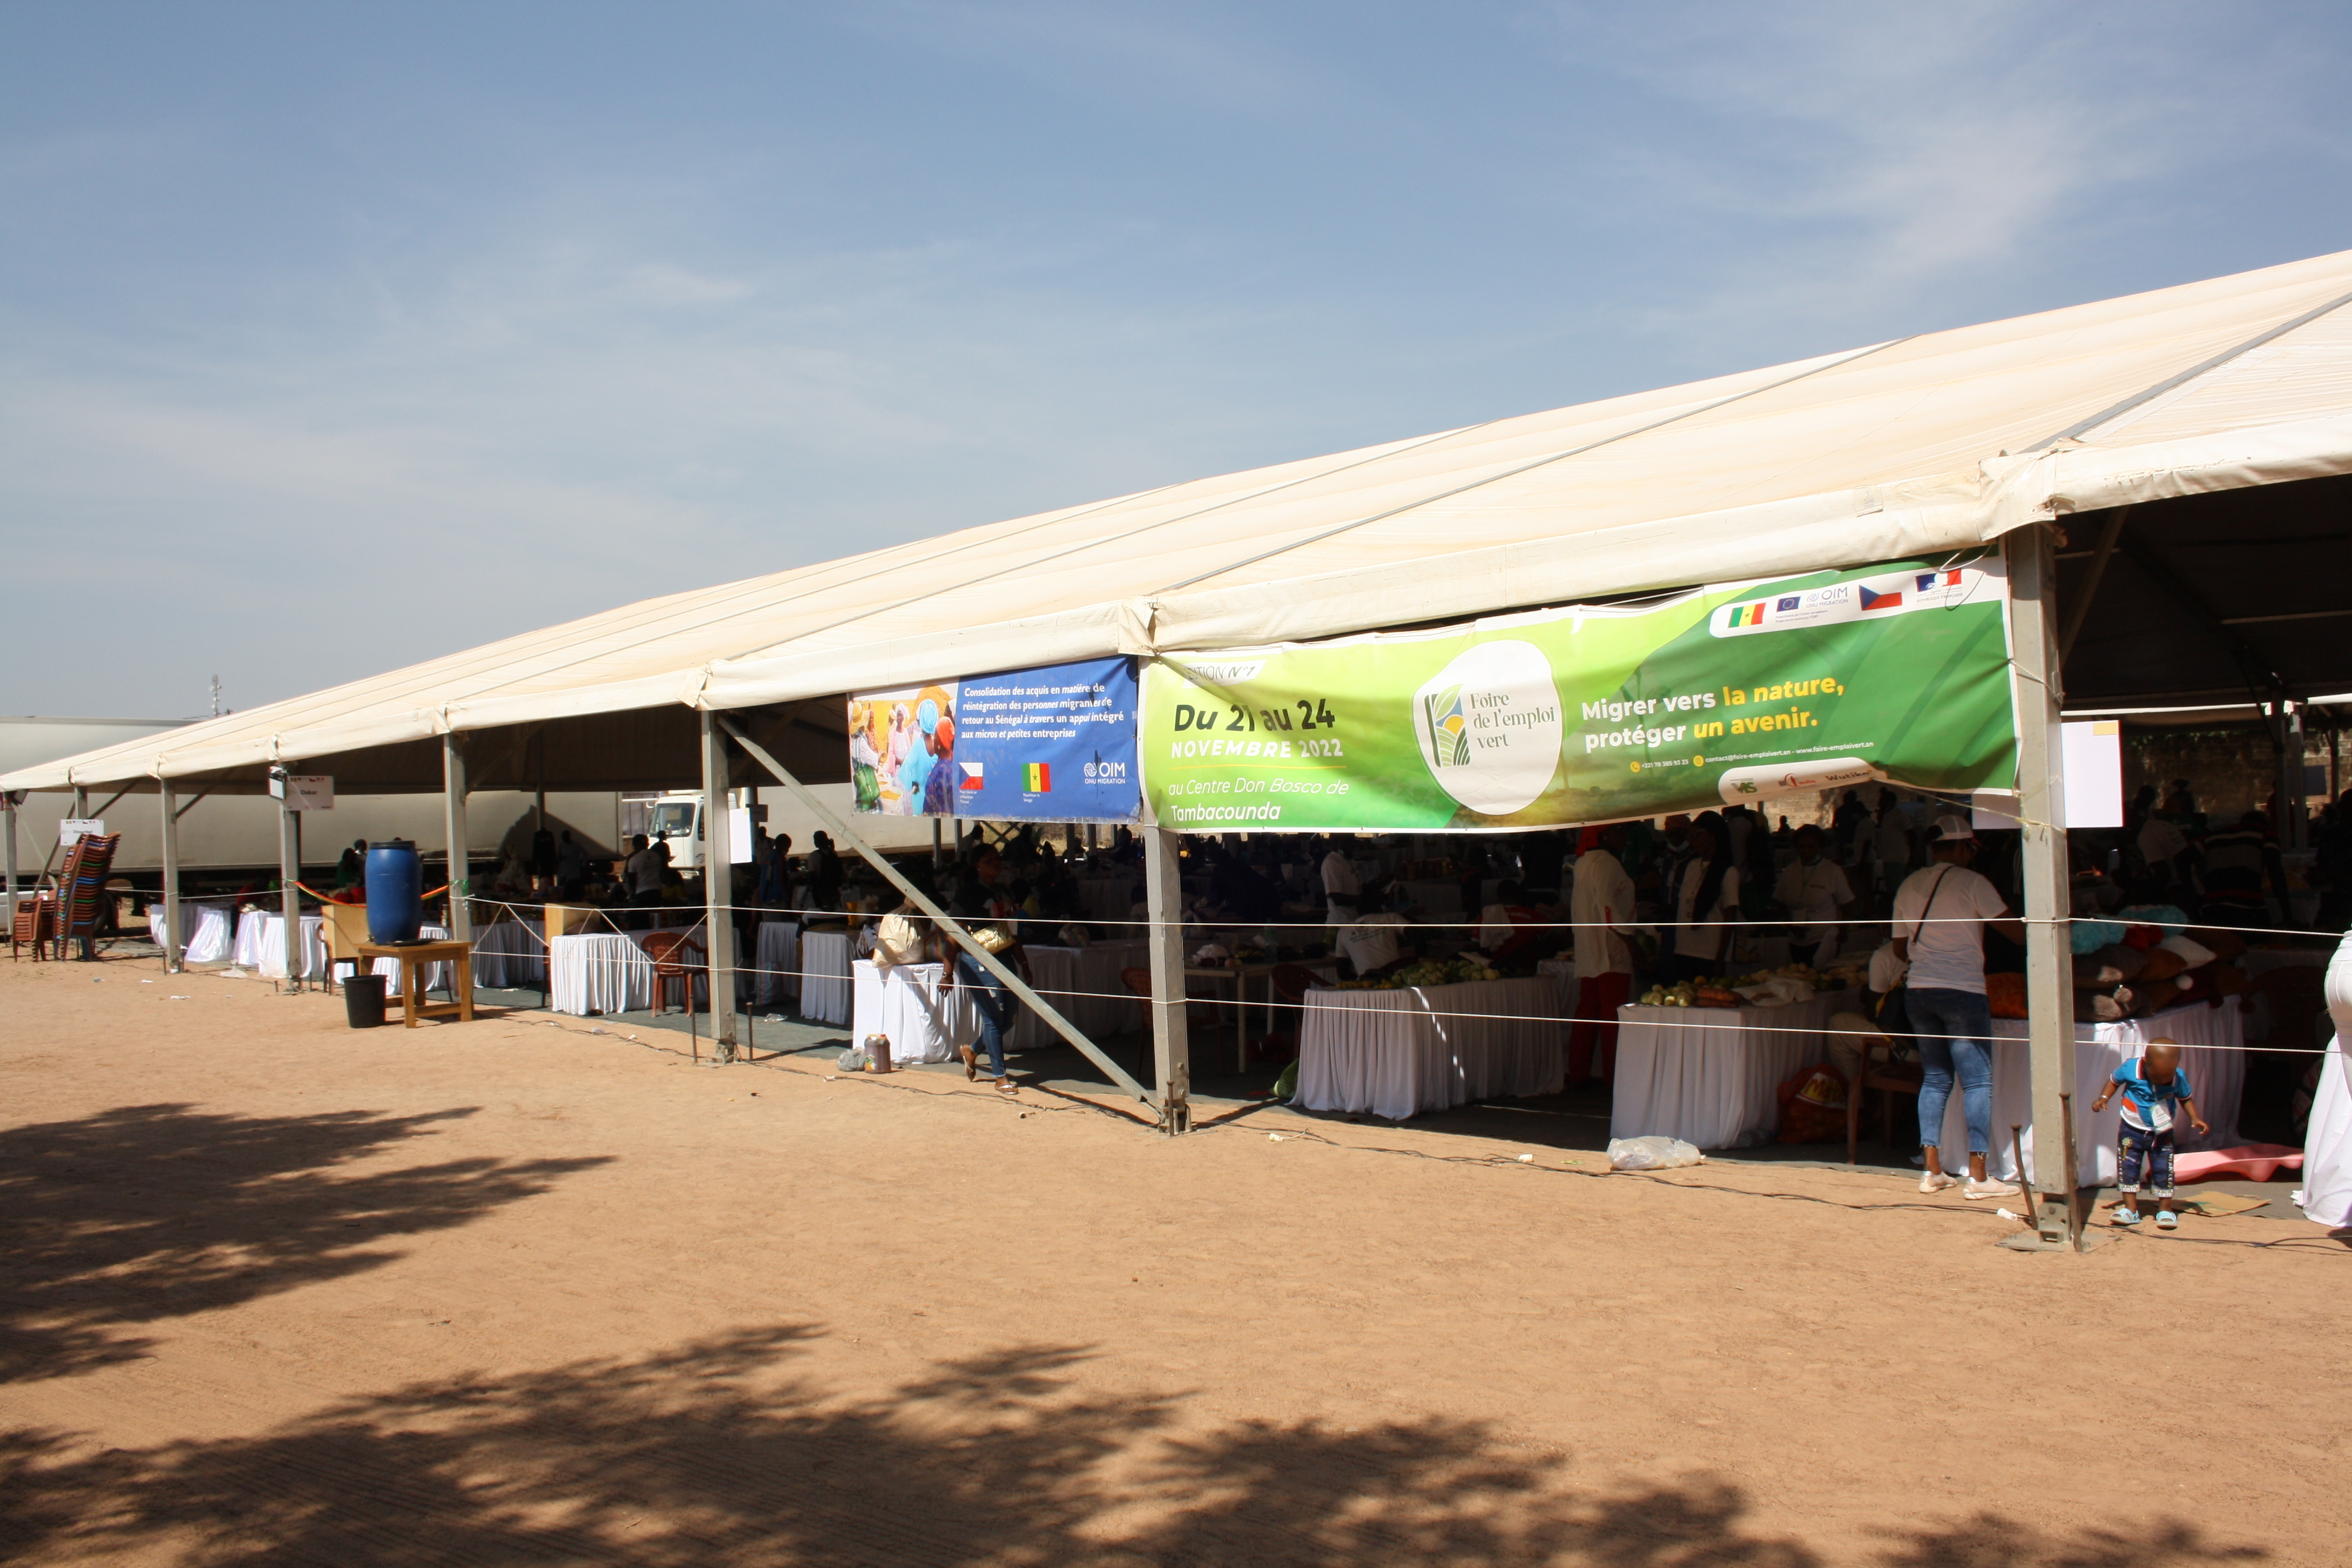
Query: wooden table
(413, 958)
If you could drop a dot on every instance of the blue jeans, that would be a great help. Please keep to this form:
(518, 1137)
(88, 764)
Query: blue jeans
(994, 1000)
(2135, 1145)
(1965, 1020)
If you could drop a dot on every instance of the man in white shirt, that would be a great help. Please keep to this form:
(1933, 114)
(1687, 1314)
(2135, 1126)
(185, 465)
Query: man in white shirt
(1340, 888)
(1814, 889)
(1602, 906)
(1940, 913)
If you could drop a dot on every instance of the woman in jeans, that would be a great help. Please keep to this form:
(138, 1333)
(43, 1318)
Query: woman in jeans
(1940, 913)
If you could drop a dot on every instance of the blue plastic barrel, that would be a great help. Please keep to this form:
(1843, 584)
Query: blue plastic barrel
(395, 891)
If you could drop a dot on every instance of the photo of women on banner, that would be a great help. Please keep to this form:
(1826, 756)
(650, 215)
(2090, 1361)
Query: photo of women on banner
(902, 751)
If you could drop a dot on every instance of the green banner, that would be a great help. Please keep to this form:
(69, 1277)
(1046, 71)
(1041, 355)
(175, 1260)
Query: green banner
(1898, 672)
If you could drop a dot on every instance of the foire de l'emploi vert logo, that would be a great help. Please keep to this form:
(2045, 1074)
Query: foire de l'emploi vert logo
(1449, 732)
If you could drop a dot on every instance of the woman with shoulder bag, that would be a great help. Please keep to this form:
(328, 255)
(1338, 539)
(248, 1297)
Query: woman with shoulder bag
(990, 994)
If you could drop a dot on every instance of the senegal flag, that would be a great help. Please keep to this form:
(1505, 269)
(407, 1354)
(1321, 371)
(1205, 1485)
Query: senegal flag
(1038, 777)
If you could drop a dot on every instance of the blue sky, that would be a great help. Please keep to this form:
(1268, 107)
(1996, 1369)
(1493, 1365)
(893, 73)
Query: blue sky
(334, 337)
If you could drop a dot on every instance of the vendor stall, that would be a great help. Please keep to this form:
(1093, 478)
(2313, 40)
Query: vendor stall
(511, 955)
(924, 1019)
(1708, 1075)
(606, 972)
(778, 963)
(824, 975)
(207, 930)
(1085, 986)
(1399, 1053)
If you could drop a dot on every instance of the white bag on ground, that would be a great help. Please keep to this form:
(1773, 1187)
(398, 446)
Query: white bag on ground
(1652, 1153)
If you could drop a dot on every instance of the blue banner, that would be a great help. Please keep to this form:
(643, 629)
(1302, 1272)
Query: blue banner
(1055, 743)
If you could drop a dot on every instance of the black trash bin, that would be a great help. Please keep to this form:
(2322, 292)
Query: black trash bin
(363, 1000)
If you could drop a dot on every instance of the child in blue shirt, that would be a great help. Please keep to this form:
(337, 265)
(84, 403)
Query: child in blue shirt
(2153, 1085)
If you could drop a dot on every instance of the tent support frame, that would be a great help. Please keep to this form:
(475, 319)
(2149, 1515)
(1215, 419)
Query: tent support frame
(172, 946)
(2042, 863)
(718, 855)
(460, 834)
(8, 809)
(947, 922)
(1171, 1051)
(289, 876)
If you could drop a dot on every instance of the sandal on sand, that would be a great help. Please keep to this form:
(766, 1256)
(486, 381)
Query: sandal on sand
(2126, 1215)
(970, 1062)
(1006, 1086)
(2166, 1220)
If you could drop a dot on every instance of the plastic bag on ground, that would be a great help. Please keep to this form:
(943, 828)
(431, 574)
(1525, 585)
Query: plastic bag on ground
(1652, 1153)
(852, 1060)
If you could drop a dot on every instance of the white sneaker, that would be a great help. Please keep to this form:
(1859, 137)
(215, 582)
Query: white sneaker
(1934, 1182)
(1976, 1189)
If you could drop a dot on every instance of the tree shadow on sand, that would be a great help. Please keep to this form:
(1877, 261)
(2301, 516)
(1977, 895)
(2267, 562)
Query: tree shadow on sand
(716, 1454)
(151, 1212)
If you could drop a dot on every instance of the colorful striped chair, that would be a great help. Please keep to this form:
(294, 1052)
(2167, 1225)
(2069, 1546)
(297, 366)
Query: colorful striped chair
(35, 924)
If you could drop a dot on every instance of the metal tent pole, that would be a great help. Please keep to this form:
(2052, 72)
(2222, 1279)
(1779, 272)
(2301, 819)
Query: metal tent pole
(1171, 1055)
(459, 836)
(717, 891)
(947, 922)
(172, 946)
(8, 808)
(2042, 867)
(289, 873)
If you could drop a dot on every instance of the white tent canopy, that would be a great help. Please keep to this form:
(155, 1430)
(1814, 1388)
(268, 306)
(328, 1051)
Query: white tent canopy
(1923, 444)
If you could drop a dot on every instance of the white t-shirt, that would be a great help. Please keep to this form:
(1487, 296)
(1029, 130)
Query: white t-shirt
(1370, 942)
(1339, 884)
(1601, 902)
(1813, 892)
(1704, 940)
(1947, 950)
(1886, 970)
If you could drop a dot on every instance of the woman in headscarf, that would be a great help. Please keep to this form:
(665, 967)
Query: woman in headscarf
(1705, 898)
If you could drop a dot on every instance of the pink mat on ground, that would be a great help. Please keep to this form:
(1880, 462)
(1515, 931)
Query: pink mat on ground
(2249, 1162)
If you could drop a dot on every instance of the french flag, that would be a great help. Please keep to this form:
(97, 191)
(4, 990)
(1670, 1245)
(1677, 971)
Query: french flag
(1951, 579)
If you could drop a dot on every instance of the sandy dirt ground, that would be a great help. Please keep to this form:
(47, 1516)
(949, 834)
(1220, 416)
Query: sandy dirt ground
(274, 1291)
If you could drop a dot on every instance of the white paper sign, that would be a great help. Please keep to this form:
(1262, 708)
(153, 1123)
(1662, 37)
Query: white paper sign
(308, 792)
(74, 827)
(2093, 763)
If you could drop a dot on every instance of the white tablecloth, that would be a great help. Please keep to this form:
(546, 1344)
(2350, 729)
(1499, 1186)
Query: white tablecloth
(2327, 1146)
(510, 956)
(1398, 1053)
(270, 945)
(924, 1023)
(206, 928)
(779, 962)
(1106, 897)
(824, 975)
(1084, 985)
(1707, 1075)
(602, 972)
(2217, 1076)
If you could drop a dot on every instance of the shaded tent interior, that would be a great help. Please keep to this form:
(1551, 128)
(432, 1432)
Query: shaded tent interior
(2235, 596)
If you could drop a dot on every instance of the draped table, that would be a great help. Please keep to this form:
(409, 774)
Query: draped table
(824, 975)
(205, 930)
(511, 955)
(778, 962)
(1084, 985)
(606, 972)
(908, 1002)
(1398, 1053)
(2217, 1074)
(1708, 1075)
(261, 944)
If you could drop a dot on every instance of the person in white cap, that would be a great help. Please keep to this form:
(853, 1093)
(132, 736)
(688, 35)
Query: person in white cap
(1940, 913)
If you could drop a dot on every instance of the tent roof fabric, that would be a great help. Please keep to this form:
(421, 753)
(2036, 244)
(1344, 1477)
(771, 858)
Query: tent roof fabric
(1924, 444)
